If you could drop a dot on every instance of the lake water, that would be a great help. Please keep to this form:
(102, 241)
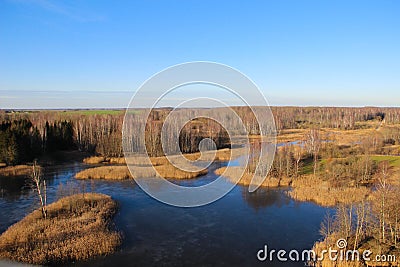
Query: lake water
(228, 232)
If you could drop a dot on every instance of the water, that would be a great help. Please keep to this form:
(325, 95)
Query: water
(228, 232)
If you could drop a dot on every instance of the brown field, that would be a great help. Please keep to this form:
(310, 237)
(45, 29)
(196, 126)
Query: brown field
(18, 170)
(310, 188)
(77, 227)
(291, 135)
(233, 172)
(341, 137)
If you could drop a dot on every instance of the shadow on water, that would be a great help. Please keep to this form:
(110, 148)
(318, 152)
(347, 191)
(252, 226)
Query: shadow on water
(265, 197)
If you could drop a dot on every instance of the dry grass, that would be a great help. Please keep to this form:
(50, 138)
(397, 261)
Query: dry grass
(142, 167)
(342, 137)
(310, 188)
(122, 172)
(18, 170)
(349, 137)
(117, 161)
(94, 160)
(232, 173)
(77, 228)
(291, 135)
(171, 172)
(105, 172)
(225, 154)
(221, 155)
(100, 159)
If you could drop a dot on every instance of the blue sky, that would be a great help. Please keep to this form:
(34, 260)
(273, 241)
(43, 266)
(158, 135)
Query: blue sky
(61, 54)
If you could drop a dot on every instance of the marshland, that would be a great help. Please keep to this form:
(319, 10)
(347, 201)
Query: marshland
(335, 175)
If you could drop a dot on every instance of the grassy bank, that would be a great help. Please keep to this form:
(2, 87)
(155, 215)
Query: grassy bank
(77, 228)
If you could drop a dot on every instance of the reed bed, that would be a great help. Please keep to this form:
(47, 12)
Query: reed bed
(77, 228)
(105, 172)
(94, 160)
(14, 171)
(310, 188)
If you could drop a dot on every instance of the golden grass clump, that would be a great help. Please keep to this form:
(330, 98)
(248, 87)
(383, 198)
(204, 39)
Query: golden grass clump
(171, 172)
(100, 159)
(94, 160)
(105, 172)
(224, 154)
(115, 160)
(18, 170)
(310, 188)
(233, 172)
(77, 227)
(122, 172)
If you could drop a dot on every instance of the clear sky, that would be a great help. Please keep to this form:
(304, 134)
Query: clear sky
(94, 53)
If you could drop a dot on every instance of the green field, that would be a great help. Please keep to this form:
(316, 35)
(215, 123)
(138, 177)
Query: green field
(94, 112)
(394, 161)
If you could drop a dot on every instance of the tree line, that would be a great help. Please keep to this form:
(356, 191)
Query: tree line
(24, 135)
(21, 141)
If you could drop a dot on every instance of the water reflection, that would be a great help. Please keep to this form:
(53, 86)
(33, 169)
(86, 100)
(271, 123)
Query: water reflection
(12, 188)
(265, 197)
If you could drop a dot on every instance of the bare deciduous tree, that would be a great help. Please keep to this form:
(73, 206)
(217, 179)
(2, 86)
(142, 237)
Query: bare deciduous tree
(39, 184)
(313, 144)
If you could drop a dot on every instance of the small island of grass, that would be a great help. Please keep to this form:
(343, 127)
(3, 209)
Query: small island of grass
(77, 227)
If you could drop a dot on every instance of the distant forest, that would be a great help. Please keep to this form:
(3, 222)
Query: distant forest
(27, 135)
